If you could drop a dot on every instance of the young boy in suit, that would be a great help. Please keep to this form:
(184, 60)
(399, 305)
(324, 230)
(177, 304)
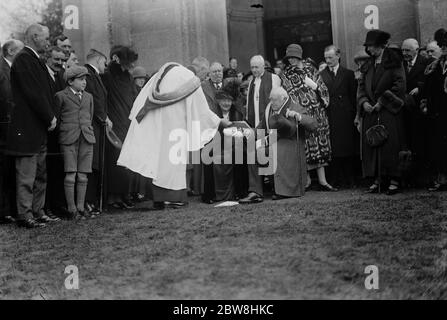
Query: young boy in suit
(76, 138)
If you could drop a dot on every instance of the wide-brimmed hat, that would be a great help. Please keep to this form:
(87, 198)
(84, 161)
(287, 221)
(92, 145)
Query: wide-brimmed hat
(443, 40)
(377, 38)
(113, 138)
(294, 51)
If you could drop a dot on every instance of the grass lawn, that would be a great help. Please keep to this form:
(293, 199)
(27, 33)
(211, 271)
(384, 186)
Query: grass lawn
(316, 247)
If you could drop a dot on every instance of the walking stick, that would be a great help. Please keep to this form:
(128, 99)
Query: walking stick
(102, 151)
(379, 160)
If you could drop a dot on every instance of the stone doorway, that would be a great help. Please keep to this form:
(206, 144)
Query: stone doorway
(307, 23)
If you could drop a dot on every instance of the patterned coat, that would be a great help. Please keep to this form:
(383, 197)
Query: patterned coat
(318, 143)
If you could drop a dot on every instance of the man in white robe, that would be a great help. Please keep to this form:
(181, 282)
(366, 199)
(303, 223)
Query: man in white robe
(169, 118)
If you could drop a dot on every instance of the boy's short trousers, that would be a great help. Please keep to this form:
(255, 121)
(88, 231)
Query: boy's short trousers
(78, 157)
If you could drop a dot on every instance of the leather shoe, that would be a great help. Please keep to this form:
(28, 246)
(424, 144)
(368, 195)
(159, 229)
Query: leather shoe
(328, 188)
(436, 187)
(7, 220)
(46, 219)
(30, 224)
(175, 205)
(208, 201)
(252, 198)
(277, 197)
(373, 189)
(393, 191)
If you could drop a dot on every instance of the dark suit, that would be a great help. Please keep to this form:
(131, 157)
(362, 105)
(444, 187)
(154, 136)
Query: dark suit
(209, 192)
(96, 88)
(341, 114)
(55, 198)
(210, 90)
(32, 115)
(416, 124)
(7, 177)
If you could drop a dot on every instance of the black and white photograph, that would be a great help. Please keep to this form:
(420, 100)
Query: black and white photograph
(224, 155)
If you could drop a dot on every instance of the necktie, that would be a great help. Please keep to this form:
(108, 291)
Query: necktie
(410, 65)
(332, 71)
(218, 86)
(79, 95)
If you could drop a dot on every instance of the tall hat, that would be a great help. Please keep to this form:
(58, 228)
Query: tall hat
(377, 38)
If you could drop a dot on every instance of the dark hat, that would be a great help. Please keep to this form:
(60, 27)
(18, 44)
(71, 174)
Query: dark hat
(75, 72)
(294, 51)
(139, 72)
(361, 55)
(377, 38)
(443, 40)
(113, 138)
(439, 35)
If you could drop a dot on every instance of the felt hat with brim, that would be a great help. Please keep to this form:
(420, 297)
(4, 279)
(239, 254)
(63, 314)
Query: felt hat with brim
(75, 72)
(376, 38)
(294, 51)
(139, 72)
(113, 138)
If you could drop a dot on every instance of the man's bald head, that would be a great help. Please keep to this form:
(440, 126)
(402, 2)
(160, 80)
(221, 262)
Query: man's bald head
(410, 49)
(37, 37)
(202, 67)
(433, 50)
(11, 48)
(257, 65)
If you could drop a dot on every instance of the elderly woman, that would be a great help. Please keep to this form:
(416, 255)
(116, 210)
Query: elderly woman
(291, 122)
(305, 86)
(380, 96)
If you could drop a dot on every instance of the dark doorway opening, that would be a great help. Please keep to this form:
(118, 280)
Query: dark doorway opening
(312, 31)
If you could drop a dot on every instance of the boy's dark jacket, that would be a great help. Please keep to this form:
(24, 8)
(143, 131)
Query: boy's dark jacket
(75, 117)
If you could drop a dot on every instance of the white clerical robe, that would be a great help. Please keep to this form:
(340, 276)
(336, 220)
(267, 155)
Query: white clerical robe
(158, 146)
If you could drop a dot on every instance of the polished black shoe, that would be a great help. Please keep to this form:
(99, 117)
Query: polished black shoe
(52, 217)
(373, 189)
(128, 204)
(87, 215)
(175, 205)
(251, 199)
(328, 188)
(158, 205)
(7, 220)
(277, 197)
(30, 224)
(208, 201)
(437, 187)
(46, 219)
(392, 191)
(92, 209)
(72, 215)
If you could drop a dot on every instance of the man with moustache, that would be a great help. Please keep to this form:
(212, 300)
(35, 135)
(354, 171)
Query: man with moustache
(32, 118)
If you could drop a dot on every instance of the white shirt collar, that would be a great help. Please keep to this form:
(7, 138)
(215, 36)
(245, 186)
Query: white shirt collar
(75, 92)
(414, 61)
(335, 69)
(35, 52)
(94, 68)
(8, 62)
(51, 72)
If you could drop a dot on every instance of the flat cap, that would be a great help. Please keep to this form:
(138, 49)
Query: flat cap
(75, 72)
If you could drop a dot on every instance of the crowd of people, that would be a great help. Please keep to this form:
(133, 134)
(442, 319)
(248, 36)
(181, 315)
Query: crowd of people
(62, 125)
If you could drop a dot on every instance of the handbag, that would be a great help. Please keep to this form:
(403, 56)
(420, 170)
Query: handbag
(377, 135)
